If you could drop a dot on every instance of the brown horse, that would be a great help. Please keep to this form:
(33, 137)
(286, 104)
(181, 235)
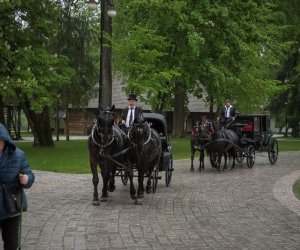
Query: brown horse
(105, 141)
(144, 155)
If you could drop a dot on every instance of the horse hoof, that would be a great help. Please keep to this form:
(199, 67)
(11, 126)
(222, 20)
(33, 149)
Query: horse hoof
(111, 189)
(96, 202)
(148, 189)
(140, 196)
(138, 201)
(192, 170)
(133, 196)
(103, 199)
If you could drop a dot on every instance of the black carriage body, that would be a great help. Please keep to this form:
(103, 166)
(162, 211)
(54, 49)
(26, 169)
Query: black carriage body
(254, 129)
(159, 123)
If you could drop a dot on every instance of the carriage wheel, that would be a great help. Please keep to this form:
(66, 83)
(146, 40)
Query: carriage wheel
(240, 156)
(154, 180)
(273, 151)
(169, 171)
(250, 156)
(124, 176)
(213, 157)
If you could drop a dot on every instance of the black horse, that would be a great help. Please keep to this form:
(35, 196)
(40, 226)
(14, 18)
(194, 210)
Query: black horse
(105, 141)
(222, 142)
(198, 140)
(144, 156)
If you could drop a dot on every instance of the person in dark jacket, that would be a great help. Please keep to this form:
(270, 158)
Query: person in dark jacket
(14, 170)
(228, 114)
(131, 112)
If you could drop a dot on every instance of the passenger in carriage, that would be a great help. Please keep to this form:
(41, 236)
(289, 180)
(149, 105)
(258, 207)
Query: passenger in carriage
(130, 113)
(227, 115)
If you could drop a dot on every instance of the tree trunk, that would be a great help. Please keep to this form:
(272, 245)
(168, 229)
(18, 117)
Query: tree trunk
(178, 114)
(40, 125)
(295, 130)
(67, 130)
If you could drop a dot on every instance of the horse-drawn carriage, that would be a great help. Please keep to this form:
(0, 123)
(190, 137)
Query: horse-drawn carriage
(240, 139)
(159, 124)
(142, 152)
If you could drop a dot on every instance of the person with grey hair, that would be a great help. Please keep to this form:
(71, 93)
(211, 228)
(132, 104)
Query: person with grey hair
(131, 112)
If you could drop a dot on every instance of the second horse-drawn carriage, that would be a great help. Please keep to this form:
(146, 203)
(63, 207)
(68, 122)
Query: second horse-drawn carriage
(241, 139)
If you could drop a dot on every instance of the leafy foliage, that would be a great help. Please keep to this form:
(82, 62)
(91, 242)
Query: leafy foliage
(228, 49)
(28, 69)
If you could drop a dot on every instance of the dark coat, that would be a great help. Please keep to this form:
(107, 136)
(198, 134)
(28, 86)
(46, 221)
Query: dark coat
(137, 113)
(232, 113)
(12, 163)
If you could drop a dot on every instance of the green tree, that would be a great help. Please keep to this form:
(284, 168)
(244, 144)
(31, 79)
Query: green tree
(78, 39)
(285, 105)
(29, 73)
(168, 50)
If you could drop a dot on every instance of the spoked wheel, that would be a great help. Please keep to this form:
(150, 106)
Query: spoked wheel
(213, 157)
(124, 176)
(169, 171)
(273, 151)
(240, 156)
(250, 156)
(154, 180)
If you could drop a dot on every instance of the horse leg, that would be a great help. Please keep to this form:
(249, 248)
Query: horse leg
(201, 160)
(233, 160)
(141, 190)
(148, 186)
(130, 175)
(105, 171)
(111, 184)
(219, 160)
(96, 201)
(192, 159)
(225, 161)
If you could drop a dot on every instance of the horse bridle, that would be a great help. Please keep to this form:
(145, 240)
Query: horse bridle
(99, 132)
(149, 134)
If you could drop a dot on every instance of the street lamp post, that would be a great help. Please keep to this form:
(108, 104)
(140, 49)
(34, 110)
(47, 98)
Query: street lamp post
(286, 81)
(286, 123)
(105, 73)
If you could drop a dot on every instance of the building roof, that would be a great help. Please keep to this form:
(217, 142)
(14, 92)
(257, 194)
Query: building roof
(119, 99)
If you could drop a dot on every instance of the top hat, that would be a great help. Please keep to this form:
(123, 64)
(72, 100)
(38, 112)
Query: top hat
(132, 97)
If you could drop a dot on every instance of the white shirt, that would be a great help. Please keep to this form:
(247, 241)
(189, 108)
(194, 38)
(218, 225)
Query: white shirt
(128, 116)
(227, 113)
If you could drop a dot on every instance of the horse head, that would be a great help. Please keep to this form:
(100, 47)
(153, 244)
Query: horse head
(209, 128)
(139, 133)
(104, 125)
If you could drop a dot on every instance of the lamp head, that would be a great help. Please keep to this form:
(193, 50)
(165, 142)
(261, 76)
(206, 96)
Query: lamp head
(92, 5)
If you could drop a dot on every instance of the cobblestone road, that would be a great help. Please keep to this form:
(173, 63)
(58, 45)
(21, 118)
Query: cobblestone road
(239, 209)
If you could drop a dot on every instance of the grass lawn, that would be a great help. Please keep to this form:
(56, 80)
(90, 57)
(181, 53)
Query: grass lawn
(72, 156)
(296, 189)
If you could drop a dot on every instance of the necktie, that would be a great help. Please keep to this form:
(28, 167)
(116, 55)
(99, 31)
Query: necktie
(130, 117)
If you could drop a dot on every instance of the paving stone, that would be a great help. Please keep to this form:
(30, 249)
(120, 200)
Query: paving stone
(239, 209)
